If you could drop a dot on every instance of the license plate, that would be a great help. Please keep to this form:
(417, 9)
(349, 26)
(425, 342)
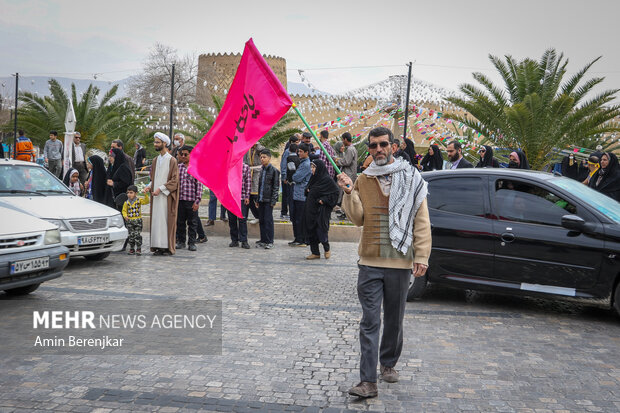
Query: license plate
(34, 264)
(93, 239)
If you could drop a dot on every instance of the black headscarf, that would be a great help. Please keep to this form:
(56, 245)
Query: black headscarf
(434, 161)
(119, 160)
(410, 150)
(523, 164)
(98, 184)
(67, 179)
(119, 172)
(321, 187)
(487, 161)
(607, 181)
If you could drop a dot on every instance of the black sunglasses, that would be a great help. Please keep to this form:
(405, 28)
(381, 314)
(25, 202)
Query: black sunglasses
(383, 144)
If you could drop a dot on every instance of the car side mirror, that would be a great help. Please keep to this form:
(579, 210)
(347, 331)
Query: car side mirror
(574, 223)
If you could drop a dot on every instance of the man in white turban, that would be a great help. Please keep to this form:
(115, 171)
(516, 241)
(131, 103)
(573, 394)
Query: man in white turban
(164, 187)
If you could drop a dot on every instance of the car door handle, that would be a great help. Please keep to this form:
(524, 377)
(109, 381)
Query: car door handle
(508, 237)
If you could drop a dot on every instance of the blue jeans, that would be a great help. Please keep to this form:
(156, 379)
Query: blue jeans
(297, 218)
(213, 208)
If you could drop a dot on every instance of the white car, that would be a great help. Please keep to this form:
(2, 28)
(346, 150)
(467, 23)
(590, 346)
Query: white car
(87, 228)
(30, 252)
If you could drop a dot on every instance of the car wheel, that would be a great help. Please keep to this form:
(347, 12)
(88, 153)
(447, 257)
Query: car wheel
(22, 290)
(97, 257)
(417, 287)
(617, 299)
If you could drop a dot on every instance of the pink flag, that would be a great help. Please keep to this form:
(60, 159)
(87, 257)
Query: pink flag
(255, 102)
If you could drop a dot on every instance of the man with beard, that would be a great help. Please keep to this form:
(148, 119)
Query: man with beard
(455, 154)
(165, 199)
(389, 200)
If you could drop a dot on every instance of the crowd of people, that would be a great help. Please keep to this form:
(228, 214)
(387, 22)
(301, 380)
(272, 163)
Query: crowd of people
(306, 178)
(388, 199)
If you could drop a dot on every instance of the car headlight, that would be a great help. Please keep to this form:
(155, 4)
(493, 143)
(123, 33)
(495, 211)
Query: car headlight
(117, 221)
(52, 236)
(59, 223)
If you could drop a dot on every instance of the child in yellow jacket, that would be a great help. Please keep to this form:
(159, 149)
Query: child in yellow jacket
(132, 212)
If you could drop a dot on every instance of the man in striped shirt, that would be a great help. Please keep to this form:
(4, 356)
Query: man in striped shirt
(190, 194)
(325, 142)
(238, 226)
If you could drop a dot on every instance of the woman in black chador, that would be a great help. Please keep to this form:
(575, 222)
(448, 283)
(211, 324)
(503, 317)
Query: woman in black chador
(433, 160)
(607, 179)
(321, 197)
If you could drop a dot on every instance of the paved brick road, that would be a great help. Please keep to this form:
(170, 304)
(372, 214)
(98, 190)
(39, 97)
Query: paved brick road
(290, 344)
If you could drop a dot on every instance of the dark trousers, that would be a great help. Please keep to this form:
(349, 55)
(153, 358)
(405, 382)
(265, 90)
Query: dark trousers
(265, 218)
(253, 207)
(289, 200)
(318, 235)
(376, 285)
(239, 226)
(55, 167)
(297, 218)
(285, 190)
(186, 217)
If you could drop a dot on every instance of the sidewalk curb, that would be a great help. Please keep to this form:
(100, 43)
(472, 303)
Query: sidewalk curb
(282, 230)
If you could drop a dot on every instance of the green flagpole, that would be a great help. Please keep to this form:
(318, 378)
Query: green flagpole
(317, 139)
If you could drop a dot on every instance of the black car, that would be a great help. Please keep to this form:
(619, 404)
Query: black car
(522, 232)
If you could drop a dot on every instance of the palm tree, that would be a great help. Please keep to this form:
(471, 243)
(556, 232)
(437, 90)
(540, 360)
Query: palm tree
(272, 140)
(535, 110)
(98, 120)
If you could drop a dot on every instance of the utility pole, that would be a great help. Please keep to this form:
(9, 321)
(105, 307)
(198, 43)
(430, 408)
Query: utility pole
(407, 102)
(171, 103)
(15, 119)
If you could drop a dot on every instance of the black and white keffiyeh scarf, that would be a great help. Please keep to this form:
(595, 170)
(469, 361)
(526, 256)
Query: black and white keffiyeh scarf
(407, 193)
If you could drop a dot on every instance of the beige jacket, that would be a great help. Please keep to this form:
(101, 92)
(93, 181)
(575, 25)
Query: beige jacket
(367, 206)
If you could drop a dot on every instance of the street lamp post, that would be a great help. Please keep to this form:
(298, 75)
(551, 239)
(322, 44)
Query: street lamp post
(15, 119)
(407, 102)
(171, 102)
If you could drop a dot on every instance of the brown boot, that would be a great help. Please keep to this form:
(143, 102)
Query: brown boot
(388, 374)
(364, 389)
(328, 254)
(313, 257)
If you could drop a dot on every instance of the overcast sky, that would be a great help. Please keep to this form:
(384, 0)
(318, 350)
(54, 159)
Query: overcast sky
(447, 39)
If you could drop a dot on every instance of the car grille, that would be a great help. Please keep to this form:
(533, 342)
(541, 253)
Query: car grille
(82, 225)
(74, 249)
(8, 243)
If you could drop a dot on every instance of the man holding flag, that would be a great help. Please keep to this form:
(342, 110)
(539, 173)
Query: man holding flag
(389, 201)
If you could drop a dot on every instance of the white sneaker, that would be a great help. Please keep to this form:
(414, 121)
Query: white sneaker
(254, 221)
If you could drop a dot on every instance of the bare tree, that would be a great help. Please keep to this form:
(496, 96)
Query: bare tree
(151, 88)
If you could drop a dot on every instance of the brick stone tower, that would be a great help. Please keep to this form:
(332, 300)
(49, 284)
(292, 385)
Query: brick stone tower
(217, 71)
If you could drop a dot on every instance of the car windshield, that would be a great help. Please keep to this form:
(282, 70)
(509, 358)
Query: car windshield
(24, 180)
(604, 204)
